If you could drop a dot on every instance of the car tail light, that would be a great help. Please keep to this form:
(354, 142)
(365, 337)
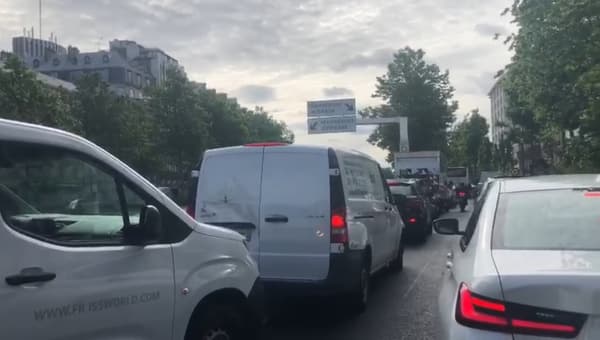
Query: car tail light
(412, 220)
(264, 144)
(475, 311)
(461, 194)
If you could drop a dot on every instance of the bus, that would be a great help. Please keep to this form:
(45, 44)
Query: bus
(457, 175)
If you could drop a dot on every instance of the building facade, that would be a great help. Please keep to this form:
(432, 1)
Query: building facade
(500, 122)
(127, 67)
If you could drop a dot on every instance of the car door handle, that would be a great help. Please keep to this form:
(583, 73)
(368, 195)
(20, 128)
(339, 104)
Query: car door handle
(364, 217)
(276, 219)
(30, 275)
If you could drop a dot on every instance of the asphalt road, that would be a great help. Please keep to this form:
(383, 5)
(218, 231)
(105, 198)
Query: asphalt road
(402, 305)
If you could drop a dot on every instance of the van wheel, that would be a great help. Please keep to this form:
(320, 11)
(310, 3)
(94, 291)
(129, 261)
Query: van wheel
(360, 298)
(218, 322)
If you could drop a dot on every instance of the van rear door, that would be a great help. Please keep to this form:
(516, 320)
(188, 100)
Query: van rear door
(294, 214)
(229, 192)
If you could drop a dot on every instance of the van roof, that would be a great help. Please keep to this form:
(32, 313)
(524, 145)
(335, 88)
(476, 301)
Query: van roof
(294, 147)
(30, 133)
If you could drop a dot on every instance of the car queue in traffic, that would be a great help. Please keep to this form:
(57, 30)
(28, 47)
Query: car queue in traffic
(93, 250)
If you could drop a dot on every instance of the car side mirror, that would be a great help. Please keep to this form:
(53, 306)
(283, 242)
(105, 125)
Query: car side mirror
(151, 222)
(447, 226)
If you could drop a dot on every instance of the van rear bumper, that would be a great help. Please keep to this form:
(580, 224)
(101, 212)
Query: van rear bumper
(343, 278)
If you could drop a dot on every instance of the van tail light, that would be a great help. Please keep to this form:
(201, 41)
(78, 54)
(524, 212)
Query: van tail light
(337, 203)
(475, 311)
(461, 194)
(339, 227)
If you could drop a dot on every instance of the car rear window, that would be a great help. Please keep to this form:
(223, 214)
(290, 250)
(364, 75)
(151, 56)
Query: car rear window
(549, 219)
(402, 189)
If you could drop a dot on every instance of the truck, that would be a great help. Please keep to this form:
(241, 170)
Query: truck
(409, 164)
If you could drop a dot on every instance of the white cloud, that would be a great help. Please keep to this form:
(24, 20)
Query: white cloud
(290, 49)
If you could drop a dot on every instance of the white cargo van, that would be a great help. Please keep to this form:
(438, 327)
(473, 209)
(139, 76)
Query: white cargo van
(91, 250)
(314, 217)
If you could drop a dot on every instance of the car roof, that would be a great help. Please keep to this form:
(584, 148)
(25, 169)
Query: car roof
(550, 182)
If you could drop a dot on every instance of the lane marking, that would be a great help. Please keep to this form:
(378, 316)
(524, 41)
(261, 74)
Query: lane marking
(414, 283)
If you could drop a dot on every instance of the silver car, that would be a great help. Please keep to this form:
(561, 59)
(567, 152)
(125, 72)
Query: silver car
(527, 265)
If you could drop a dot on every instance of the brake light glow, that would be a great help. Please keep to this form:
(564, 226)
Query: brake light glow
(592, 194)
(516, 323)
(461, 194)
(476, 311)
(265, 144)
(338, 221)
(339, 227)
(472, 310)
(412, 220)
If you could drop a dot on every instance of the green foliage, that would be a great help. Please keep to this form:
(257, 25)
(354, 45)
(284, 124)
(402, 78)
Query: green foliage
(23, 97)
(162, 136)
(469, 144)
(420, 91)
(554, 78)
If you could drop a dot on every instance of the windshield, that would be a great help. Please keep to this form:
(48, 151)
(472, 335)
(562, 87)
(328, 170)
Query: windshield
(456, 172)
(553, 219)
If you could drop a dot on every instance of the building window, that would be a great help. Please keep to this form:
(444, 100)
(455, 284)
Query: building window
(56, 62)
(36, 63)
(129, 79)
(105, 58)
(87, 60)
(138, 79)
(74, 60)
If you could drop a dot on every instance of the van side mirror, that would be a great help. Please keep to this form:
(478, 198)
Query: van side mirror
(151, 222)
(446, 226)
(147, 230)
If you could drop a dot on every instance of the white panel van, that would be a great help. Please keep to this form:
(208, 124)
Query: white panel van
(316, 219)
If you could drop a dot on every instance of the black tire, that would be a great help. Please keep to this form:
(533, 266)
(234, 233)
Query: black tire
(220, 322)
(398, 263)
(359, 299)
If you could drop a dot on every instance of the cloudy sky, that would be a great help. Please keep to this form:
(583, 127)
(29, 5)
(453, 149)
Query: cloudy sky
(280, 53)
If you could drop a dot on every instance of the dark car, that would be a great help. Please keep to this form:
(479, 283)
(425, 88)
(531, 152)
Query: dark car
(413, 206)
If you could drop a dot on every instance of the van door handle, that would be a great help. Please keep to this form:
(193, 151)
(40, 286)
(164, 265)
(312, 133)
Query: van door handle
(30, 275)
(363, 217)
(276, 219)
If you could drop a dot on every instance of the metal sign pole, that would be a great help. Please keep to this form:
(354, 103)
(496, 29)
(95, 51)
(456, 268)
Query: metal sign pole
(403, 144)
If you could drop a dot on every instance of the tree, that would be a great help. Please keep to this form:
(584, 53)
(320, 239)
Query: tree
(263, 128)
(100, 113)
(469, 144)
(553, 77)
(24, 98)
(181, 125)
(417, 90)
